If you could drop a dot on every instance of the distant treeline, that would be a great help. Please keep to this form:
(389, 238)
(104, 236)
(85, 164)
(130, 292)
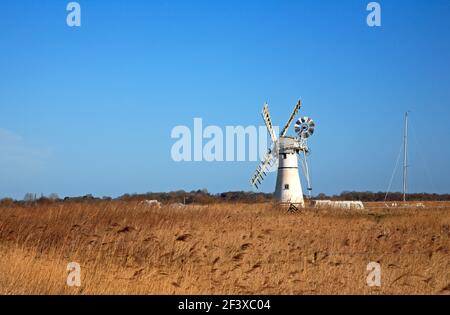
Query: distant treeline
(368, 196)
(201, 196)
(196, 196)
(204, 197)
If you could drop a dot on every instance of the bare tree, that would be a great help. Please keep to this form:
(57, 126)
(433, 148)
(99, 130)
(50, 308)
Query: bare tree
(29, 197)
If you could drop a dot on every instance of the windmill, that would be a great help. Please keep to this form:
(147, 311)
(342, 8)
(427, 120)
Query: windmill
(288, 189)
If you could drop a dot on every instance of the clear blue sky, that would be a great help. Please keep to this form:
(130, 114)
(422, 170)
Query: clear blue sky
(90, 109)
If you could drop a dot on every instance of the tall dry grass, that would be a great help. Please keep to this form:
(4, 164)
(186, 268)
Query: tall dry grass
(126, 248)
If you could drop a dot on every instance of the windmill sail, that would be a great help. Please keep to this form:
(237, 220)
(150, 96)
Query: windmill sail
(268, 122)
(291, 118)
(260, 172)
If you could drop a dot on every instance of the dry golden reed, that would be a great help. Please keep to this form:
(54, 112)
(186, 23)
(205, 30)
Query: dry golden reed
(128, 248)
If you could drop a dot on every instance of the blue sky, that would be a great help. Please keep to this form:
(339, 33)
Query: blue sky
(91, 109)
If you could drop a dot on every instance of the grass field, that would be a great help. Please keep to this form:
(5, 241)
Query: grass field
(127, 248)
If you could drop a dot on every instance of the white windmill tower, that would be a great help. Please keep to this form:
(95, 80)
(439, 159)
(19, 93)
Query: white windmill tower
(288, 189)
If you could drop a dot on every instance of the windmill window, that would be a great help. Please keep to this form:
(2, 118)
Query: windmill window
(286, 186)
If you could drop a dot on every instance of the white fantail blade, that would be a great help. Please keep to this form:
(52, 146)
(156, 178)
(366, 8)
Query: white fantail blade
(268, 122)
(291, 118)
(304, 127)
(260, 172)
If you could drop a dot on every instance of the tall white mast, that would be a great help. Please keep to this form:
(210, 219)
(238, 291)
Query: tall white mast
(405, 156)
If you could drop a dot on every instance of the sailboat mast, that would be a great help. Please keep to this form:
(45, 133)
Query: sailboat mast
(405, 156)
